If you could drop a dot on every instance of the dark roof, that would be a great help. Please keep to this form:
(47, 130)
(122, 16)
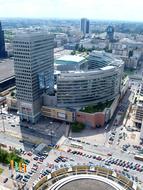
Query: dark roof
(6, 69)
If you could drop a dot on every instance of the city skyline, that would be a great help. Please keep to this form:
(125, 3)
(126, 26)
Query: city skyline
(92, 9)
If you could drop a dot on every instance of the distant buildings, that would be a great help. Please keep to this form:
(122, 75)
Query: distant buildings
(33, 63)
(130, 51)
(84, 26)
(3, 53)
(60, 39)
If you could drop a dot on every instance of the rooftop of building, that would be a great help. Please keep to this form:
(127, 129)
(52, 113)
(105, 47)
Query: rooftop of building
(2, 99)
(107, 68)
(127, 40)
(140, 101)
(85, 184)
(6, 69)
(71, 58)
(97, 108)
(26, 35)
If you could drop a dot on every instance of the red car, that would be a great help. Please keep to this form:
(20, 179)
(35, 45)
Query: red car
(69, 150)
(29, 153)
(98, 158)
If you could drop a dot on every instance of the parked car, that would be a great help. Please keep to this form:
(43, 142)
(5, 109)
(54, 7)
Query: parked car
(17, 176)
(25, 180)
(109, 154)
(35, 158)
(5, 180)
(29, 153)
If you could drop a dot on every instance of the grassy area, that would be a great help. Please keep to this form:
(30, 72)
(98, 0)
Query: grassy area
(13, 94)
(124, 75)
(97, 108)
(129, 72)
(6, 156)
(77, 127)
(1, 170)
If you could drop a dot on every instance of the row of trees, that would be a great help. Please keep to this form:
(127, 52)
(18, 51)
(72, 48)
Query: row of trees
(80, 49)
(77, 127)
(6, 156)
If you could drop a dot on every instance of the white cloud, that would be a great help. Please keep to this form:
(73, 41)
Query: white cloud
(95, 9)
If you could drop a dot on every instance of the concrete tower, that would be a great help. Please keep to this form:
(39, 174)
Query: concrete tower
(34, 68)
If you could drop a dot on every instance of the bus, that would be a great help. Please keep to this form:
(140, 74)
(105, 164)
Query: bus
(138, 157)
(76, 145)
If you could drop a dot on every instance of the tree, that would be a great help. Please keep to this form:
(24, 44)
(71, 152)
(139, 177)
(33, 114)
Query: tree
(130, 53)
(93, 47)
(77, 127)
(81, 48)
(5, 156)
(76, 46)
(73, 52)
(12, 94)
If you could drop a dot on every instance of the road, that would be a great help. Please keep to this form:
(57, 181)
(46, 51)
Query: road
(43, 132)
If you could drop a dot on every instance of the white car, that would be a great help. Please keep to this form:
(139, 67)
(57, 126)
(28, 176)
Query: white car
(41, 172)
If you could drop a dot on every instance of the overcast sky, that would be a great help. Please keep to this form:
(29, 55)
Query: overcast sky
(93, 9)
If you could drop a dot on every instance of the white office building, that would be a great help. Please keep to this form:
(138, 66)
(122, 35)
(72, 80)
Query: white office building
(85, 26)
(99, 83)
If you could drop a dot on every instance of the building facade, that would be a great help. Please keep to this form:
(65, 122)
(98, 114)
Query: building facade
(3, 53)
(100, 83)
(129, 51)
(138, 109)
(34, 67)
(85, 26)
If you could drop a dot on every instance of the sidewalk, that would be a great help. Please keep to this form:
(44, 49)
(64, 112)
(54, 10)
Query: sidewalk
(29, 138)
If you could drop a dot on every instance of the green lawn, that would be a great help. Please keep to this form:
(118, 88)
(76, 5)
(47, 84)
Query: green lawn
(1, 170)
(77, 127)
(97, 108)
(6, 156)
(129, 72)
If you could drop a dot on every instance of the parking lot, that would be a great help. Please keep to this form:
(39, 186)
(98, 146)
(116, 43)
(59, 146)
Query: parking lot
(113, 147)
(72, 152)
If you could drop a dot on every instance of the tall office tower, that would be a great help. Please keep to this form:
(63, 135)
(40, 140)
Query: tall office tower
(110, 33)
(34, 68)
(84, 26)
(3, 53)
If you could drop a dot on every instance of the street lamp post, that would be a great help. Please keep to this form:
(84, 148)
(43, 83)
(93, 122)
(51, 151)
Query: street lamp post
(51, 131)
(2, 120)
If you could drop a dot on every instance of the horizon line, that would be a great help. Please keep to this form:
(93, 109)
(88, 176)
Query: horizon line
(64, 18)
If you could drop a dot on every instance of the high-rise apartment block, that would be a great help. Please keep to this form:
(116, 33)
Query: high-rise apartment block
(3, 53)
(84, 26)
(34, 68)
(110, 33)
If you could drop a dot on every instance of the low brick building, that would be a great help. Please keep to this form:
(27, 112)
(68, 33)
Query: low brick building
(92, 120)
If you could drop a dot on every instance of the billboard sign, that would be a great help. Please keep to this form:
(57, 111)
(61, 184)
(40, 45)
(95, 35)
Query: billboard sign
(61, 115)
